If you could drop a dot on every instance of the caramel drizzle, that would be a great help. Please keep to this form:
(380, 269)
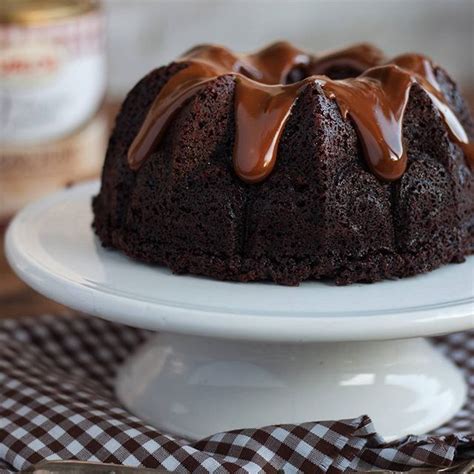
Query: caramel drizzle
(375, 100)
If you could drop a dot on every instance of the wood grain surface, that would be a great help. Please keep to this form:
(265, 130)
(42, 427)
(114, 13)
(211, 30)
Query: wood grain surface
(16, 298)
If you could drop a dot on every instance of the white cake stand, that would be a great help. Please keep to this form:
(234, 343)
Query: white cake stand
(232, 355)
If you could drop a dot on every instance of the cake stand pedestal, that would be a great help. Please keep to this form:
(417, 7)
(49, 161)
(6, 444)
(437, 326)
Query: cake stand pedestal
(230, 355)
(196, 386)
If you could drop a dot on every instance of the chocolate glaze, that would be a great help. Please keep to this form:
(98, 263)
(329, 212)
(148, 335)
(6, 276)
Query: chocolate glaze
(261, 112)
(268, 83)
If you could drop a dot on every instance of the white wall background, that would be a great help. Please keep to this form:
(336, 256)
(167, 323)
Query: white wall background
(144, 34)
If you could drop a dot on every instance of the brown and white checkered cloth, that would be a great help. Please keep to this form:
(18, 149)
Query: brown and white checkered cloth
(57, 402)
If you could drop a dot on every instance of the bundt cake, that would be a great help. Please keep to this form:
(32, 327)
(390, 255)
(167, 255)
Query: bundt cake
(282, 165)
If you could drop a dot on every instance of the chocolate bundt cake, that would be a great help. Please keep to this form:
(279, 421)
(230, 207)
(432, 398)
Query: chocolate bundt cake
(286, 166)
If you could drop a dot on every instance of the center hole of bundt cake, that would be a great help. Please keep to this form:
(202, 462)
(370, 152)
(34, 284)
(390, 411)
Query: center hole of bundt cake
(340, 71)
(297, 73)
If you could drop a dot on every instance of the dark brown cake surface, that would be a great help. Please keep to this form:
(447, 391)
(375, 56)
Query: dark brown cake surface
(322, 210)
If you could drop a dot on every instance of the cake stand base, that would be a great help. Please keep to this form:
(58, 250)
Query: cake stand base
(196, 386)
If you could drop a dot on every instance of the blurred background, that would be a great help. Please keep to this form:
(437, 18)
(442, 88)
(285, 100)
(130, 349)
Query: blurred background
(65, 66)
(144, 33)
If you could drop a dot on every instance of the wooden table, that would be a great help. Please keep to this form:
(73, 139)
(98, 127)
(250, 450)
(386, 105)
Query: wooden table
(17, 299)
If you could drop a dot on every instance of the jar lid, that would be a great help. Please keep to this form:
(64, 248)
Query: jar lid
(42, 11)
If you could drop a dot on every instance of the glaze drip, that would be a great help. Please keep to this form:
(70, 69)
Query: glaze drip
(261, 112)
(268, 83)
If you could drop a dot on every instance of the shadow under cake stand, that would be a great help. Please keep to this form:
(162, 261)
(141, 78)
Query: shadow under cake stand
(232, 355)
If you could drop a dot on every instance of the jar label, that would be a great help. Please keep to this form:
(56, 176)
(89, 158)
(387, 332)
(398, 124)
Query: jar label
(52, 77)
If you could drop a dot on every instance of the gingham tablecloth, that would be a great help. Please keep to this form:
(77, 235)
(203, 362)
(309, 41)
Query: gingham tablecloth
(56, 402)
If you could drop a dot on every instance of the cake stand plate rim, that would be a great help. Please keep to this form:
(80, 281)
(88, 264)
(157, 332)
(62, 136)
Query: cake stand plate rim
(28, 244)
